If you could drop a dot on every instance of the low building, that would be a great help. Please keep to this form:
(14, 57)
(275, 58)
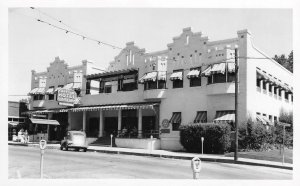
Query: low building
(143, 94)
(16, 119)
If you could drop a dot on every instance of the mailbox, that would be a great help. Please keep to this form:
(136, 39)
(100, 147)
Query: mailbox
(196, 165)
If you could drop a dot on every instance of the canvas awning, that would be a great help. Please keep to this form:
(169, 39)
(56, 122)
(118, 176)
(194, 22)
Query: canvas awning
(152, 76)
(44, 121)
(50, 91)
(162, 75)
(218, 68)
(176, 118)
(207, 71)
(193, 74)
(176, 75)
(264, 120)
(112, 107)
(228, 116)
(13, 123)
(201, 117)
(231, 67)
(38, 90)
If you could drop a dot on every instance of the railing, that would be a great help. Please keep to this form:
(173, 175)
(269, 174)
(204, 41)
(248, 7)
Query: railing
(134, 134)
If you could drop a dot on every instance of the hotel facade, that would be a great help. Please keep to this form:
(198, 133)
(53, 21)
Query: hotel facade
(143, 94)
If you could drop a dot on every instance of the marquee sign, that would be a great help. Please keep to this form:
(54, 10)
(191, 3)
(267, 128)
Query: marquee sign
(66, 97)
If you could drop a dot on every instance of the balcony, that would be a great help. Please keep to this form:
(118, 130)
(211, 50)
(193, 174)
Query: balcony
(220, 88)
(154, 94)
(113, 98)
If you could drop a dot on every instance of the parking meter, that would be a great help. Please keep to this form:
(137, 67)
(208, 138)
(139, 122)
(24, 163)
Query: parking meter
(196, 167)
(202, 140)
(43, 144)
(111, 140)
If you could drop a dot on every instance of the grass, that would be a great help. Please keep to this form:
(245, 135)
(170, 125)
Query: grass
(272, 155)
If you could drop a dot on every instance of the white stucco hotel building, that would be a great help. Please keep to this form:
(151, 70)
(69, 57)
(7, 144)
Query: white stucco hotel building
(192, 80)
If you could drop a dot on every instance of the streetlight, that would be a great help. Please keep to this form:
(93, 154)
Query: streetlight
(236, 102)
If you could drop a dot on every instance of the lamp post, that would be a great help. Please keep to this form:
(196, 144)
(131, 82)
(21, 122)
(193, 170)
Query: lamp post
(236, 102)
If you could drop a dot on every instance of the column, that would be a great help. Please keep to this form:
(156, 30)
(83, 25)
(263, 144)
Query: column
(48, 127)
(119, 120)
(272, 90)
(100, 134)
(290, 98)
(140, 123)
(267, 88)
(261, 85)
(69, 121)
(84, 121)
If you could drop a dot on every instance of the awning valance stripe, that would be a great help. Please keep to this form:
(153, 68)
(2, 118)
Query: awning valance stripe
(44, 121)
(207, 71)
(227, 115)
(218, 68)
(35, 91)
(152, 76)
(50, 91)
(201, 117)
(193, 74)
(176, 118)
(176, 75)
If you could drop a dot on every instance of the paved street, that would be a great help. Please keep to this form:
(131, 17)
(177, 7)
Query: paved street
(24, 162)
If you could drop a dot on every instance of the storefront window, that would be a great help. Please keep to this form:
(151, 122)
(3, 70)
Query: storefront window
(194, 82)
(219, 78)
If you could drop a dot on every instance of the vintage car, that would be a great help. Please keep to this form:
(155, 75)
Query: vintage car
(74, 139)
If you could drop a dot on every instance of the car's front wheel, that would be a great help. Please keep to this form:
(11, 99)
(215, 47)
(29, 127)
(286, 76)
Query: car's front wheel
(84, 150)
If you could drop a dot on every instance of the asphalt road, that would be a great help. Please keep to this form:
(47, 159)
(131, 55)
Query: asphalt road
(24, 162)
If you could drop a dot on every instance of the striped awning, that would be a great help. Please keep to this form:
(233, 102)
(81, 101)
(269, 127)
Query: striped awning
(193, 74)
(50, 91)
(207, 71)
(44, 121)
(218, 68)
(231, 67)
(162, 75)
(152, 76)
(113, 107)
(264, 120)
(176, 118)
(227, 116)
(201, 117)
(13, 123)
(36, 91)
(176, 75)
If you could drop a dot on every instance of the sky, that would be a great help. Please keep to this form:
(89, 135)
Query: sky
(33, 45)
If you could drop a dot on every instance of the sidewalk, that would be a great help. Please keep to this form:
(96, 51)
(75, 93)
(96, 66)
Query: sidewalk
(170, 154)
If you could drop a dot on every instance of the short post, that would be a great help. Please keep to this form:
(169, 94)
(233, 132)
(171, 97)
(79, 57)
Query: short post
(43, 145)
(202, 140)
(196, 167)
(111, 140)
(151, 145)
(283, 144)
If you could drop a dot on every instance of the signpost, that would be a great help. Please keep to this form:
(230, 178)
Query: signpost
(202, 140)
(43, 144)
(196, 167)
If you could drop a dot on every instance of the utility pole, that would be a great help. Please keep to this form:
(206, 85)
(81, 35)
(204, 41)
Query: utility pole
(236, 103)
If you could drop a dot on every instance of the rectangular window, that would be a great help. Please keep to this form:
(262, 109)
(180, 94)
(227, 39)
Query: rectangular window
(178, 83)
(21, 120)
(201, 117)
(129, 86)
(51, 96)
(194, 82)
(107, 89)
(15, 119)
(151, 85)
(279, 92)
(219, 78)
(275, 118)
(161, 84)
(35, 97)
(88, 86)
(175, 120)
(270, 88)
(258, 82)
(271, 118)
(10, 119)
(264, 85)
(286, 95)
(209, 80)
(230, 77)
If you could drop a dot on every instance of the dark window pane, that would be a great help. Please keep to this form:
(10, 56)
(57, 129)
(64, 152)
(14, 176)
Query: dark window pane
(219, 78)
(194, 82)
(231, 77)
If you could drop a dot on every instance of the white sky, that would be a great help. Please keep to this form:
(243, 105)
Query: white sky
(33, 45)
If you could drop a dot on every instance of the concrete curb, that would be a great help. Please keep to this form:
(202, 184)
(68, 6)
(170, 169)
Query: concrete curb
(212, 159)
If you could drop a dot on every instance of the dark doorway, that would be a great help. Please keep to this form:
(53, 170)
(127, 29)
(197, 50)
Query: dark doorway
(93, 127)
(129, 119)
(110, 126)
(58, 132)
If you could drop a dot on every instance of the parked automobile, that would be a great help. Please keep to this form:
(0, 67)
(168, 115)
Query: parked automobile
(74, 139)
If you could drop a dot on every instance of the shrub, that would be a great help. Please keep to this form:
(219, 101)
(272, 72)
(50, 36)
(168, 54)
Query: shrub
(216, 137)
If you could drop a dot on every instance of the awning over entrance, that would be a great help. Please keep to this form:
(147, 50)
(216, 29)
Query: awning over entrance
(36, 91)
(176, 118)
(113, 107)
(44, 121)
(176, 75)
(201, 117)
(206, 72)
(227, 116)
(193, 74)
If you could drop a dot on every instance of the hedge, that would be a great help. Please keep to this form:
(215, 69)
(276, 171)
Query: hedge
(216, 137)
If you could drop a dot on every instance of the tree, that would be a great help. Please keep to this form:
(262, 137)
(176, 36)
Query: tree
(285, 62)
